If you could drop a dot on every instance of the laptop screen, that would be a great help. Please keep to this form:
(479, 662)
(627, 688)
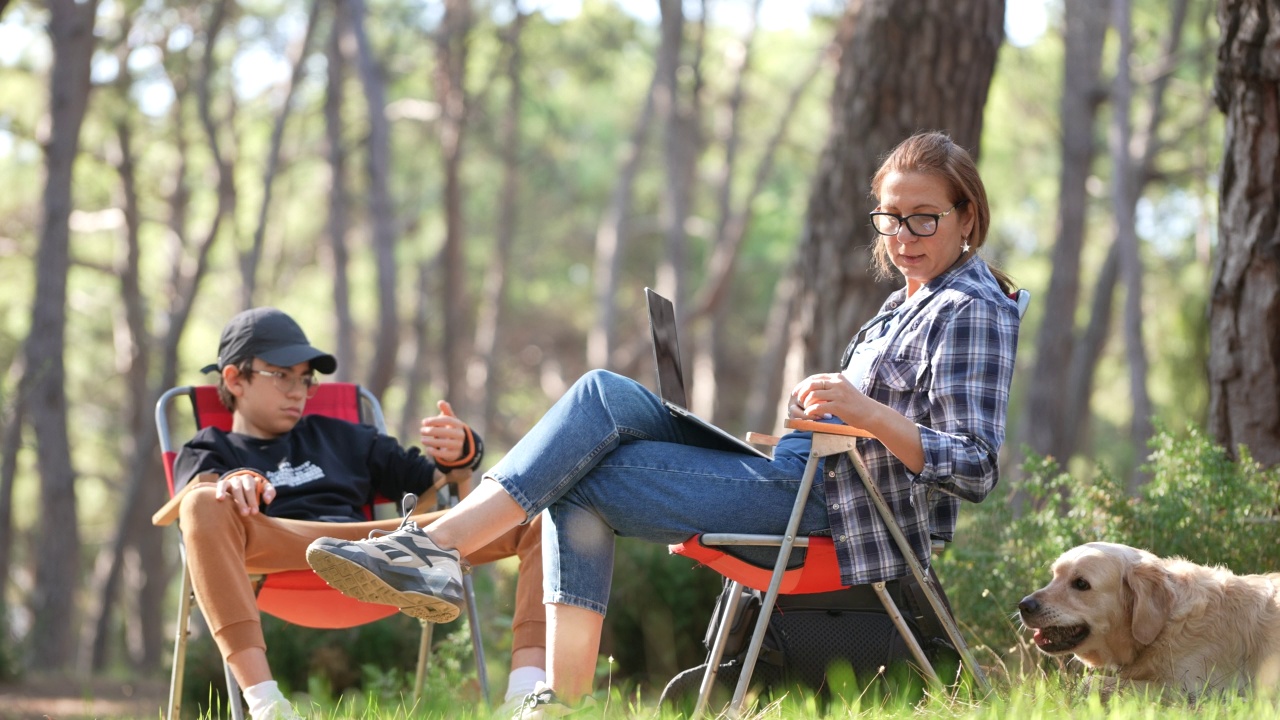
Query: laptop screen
(666, 349)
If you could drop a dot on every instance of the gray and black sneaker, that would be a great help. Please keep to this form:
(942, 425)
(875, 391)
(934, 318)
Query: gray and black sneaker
(402, 568)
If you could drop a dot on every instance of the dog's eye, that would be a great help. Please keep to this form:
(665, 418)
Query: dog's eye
(1080, 584)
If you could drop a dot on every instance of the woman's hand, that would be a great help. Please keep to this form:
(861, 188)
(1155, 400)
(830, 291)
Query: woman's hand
(824, 396)
(247, 489)
(443, 435)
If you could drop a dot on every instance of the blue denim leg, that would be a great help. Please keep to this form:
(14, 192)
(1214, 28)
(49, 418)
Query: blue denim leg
(608, 458)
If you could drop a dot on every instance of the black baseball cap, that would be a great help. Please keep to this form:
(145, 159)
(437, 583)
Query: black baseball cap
(271, 335)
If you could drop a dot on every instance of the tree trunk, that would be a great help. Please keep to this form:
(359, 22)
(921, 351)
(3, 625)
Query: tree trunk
(250, 259)
(611, 236)
(1244, 305)
(484, 379)
(705, 332)
(381, 208)
(337, 53)
(450, 74)
(13, 415)
(1123, 185)
(57, 544)
(1043, 422)
(943, 55)
(678, 151)
(713, 298)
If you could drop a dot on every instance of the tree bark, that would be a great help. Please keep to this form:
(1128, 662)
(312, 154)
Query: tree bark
(678, 152)
(1043, 422)
(943, 56)
(381, 208)
(57, 544)
(484, 379)
(611, 236)
(705, 332)
(337, 54)
(1123, 196)
(450, 74)
(250, 259)
(1244, 304)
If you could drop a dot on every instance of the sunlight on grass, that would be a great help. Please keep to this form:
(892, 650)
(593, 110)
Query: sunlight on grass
(1046, 698)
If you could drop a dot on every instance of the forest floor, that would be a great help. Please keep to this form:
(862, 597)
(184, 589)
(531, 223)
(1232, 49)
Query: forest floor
(74, 698)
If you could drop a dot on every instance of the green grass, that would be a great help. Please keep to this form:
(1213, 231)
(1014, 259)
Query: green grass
(1046, 697)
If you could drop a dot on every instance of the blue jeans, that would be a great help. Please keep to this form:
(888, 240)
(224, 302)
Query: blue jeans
(609, 459)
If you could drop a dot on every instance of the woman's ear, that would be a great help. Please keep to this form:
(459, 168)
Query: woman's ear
(967, 221)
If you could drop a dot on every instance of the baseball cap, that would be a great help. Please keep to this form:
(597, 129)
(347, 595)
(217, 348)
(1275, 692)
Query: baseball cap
(269, 334)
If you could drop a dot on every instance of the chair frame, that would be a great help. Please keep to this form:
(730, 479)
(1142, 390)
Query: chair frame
(830, 439)
(186, 600)
(827, 440)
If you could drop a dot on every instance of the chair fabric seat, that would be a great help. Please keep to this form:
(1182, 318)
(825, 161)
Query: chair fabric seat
(819, 573)
(302, 598)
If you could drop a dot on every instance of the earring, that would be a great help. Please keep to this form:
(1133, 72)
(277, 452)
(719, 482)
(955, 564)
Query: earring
(965, 247)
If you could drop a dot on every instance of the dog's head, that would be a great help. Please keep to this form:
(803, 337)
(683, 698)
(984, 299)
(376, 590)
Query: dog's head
(1105, 603)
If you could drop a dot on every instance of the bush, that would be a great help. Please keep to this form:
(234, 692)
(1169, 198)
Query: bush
(1198, 503)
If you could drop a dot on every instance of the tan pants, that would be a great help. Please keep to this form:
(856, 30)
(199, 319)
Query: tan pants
(223, 547)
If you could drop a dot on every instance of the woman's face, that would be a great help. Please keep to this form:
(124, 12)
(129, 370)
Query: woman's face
(921, 259)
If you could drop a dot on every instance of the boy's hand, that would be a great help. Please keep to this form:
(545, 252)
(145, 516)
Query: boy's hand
(443, 435)
(247, 489)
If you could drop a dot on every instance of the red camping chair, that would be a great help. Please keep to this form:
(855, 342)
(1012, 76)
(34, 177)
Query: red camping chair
(820, 572)
(295, 596)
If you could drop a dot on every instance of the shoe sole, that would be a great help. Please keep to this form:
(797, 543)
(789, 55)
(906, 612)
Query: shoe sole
(353, 580)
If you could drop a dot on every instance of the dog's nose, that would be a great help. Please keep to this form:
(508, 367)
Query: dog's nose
(1029, 605)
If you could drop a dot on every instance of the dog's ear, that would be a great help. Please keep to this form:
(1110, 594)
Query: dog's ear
(1152, 600)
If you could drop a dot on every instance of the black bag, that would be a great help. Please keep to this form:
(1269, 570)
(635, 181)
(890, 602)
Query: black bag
(808, 635)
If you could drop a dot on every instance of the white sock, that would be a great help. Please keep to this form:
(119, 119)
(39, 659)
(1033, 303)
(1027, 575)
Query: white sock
(262, 696)
(522, 680)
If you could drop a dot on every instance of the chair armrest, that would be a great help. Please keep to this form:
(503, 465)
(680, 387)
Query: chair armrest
(756, 438)
(169, 511)
(814, 426)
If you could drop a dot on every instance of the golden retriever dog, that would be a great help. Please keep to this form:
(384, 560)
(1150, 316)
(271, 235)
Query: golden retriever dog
(1164, 623)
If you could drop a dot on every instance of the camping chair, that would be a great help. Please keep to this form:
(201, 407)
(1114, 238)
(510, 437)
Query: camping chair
(296, 596)
(820, 571)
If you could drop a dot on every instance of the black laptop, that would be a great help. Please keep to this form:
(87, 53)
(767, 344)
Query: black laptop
(666, 355)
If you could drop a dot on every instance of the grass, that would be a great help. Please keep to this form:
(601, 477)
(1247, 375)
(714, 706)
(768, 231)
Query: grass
(1049, 696)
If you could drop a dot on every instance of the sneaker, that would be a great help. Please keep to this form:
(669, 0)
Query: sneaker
(402, 568)
(543, 703)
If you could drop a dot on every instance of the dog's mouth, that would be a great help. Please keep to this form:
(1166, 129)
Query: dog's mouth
(1060, 638)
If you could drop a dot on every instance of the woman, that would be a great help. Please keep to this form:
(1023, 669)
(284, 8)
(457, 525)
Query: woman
(929, 377)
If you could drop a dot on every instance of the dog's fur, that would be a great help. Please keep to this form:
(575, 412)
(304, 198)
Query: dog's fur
(1160, 622)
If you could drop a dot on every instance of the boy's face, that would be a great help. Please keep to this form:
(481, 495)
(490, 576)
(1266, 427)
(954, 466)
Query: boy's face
(268, 406)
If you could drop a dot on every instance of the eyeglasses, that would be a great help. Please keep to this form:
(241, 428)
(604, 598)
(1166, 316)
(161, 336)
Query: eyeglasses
(920, 224)
(287, 383)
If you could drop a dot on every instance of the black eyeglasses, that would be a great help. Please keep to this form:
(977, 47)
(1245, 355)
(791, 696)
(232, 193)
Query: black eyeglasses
(287, 383)
(920, 224)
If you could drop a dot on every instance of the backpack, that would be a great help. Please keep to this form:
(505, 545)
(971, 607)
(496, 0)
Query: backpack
(814, 640)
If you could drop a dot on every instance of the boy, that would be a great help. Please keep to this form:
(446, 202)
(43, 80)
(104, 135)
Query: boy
(280, 479)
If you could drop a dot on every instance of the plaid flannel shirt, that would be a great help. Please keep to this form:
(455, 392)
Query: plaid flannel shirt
(948, 367)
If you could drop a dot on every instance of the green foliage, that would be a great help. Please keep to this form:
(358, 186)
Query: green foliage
(1198, 503)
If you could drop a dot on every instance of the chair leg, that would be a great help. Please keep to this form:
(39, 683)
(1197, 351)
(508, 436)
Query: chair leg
(732, 600)
(923, 578)
(180, 646)
(775, 581)
(477, 647)
(908, 637)
(424, 659)
(234, 701)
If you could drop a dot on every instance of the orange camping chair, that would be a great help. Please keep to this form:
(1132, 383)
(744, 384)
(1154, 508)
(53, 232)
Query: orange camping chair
(820, 572)
(295, 596)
